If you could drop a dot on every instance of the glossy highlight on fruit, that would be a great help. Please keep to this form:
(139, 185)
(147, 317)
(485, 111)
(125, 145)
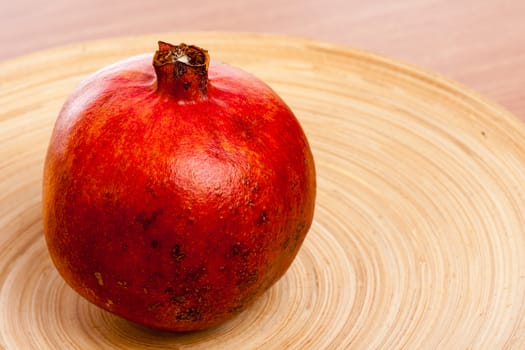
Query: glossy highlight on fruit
(176, 189)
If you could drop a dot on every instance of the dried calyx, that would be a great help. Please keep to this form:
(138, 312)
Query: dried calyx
(182, 70)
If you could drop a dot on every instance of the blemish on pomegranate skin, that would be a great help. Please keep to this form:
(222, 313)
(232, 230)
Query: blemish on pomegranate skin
(151, 191)
(146, 220)
(286, 243)
(298, 231)
(263, 218)
(154, 306)
(178, 299)
(246, 278)
(238, 250)
(98, 276)
(189, 314)
(196, 273)
(177, 253)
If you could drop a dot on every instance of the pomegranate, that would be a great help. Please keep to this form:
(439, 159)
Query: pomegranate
(176, 192)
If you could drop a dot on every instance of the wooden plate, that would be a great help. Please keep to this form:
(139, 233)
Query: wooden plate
(419, 234)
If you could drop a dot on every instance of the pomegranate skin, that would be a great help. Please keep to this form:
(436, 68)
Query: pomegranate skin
(175, 213)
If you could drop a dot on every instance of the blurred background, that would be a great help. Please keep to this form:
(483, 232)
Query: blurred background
(478, 43)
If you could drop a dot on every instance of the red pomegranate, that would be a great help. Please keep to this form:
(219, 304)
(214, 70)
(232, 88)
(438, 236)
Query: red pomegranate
(176, 193)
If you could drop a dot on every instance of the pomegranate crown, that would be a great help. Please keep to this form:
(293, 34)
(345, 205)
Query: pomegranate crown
(182, 69)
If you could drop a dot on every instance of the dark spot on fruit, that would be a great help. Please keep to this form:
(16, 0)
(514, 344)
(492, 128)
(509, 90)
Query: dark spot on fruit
(154, 306)
(196, 273)
(177, 253)
(147, 219)
(253, 187)
(295, 237)
(186, 85)
(168, 290)
(286, 242)
(300, 227)
(299, 230)
(189, 314)
(178, 299)
(151, 191)
(237, 249)
(246, 277)
(263, 218)
(155, 244)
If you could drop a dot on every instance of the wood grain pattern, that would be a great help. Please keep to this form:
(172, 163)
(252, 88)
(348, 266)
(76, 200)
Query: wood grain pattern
(418, 236)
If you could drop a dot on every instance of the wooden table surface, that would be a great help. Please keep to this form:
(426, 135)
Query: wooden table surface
(478, 43)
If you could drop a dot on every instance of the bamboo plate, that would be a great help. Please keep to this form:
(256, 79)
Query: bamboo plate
(418, 239)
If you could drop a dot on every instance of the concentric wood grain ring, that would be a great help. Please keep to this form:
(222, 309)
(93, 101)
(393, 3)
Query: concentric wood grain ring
(418, 240)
